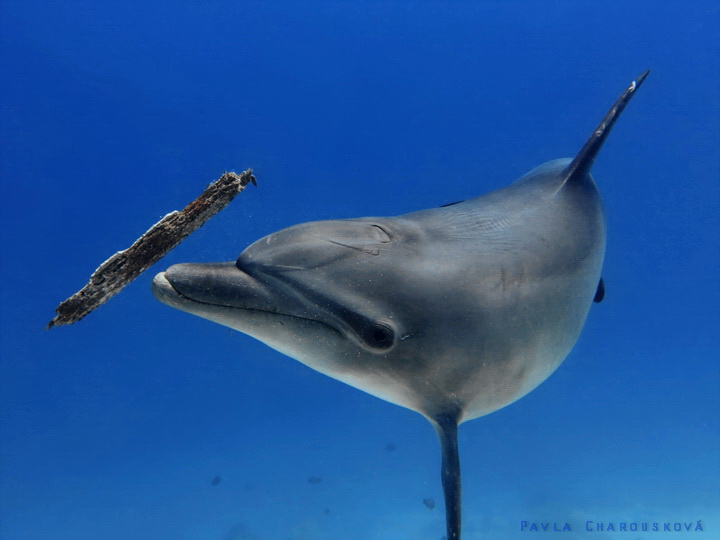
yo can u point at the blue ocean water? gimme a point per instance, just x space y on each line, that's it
147 423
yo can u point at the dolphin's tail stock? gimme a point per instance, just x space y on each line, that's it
446 426
584 160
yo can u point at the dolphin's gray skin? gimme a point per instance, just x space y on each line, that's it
452 312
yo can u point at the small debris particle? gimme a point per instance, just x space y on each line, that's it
430 503
390 447
326 511
215 481
314 479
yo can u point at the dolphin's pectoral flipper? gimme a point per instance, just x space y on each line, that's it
600 292
583 161
446 427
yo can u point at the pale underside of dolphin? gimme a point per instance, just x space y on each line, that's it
453 312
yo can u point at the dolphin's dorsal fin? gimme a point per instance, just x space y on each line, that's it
599 292
586 157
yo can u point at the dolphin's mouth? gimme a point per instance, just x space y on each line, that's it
218 285
215 290
185 288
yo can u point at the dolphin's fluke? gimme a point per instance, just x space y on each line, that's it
583 161
446 427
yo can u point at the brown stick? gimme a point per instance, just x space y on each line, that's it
123 267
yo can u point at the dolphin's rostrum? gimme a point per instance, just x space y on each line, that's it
453 312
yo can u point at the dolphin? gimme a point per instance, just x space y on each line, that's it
453 312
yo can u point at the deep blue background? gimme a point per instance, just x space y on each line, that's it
115 113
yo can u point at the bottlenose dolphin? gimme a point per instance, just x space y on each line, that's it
453 312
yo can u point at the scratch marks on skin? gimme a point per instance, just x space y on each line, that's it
369 251
287 267
406 336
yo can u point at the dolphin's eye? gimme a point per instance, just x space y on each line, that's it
381 336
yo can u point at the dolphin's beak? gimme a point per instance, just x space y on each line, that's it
196 287
220 284
161 287
166 293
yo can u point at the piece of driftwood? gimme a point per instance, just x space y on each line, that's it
123 267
